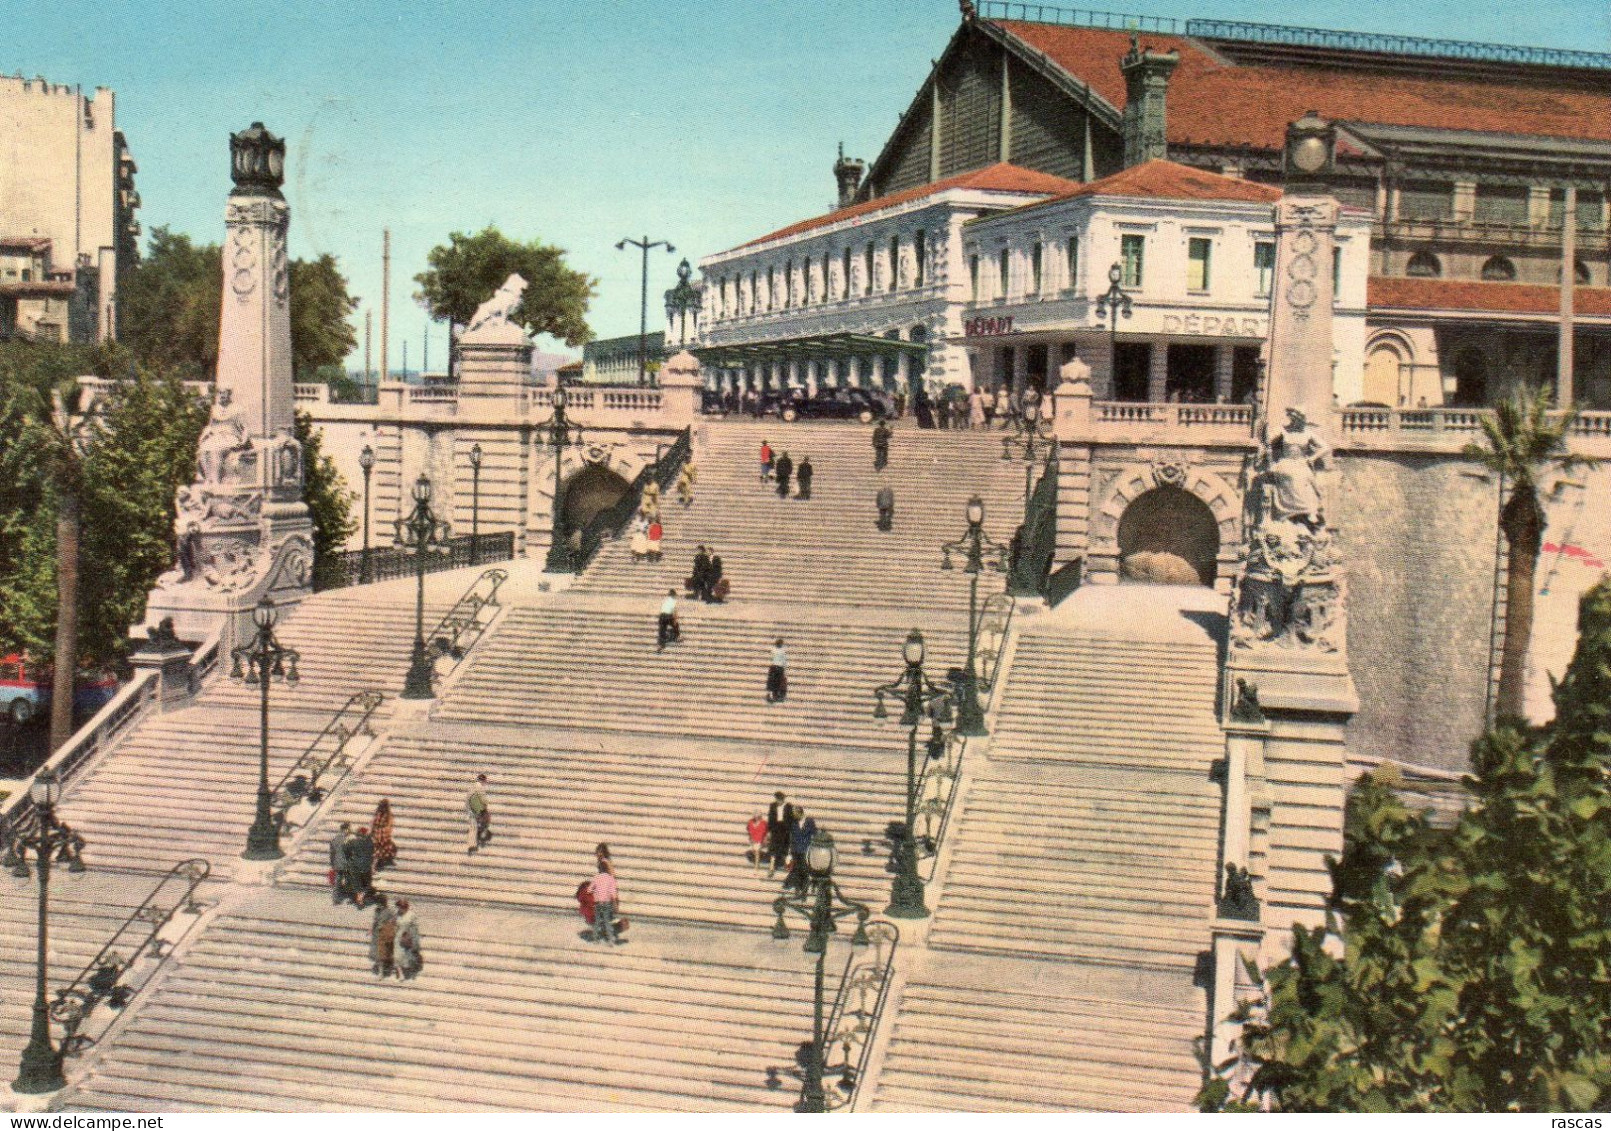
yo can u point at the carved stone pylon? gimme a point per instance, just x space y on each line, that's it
242 529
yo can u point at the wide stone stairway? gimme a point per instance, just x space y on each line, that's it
1080 883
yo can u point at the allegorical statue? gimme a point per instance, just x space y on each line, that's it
1289 473
502 305
221 444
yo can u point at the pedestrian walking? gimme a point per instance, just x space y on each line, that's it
656 533
804 474
777 833
886 507
478 815
766 461
340 880
719 585
409 955
880 446
757 834
668 629
1003 406
685 484
381 831
640 537
976 409
361 865
606 894
383 938
777 675
699 582
799 840
651 501
783 469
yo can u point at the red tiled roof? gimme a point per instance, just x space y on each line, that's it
31 243
1167 180
1385 292
1001 177
1220 103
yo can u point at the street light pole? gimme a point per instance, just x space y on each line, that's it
475 505
976 546
558 427
366 461
419 532
643 310
265 659
40 1069
1111 305
920 697
823 918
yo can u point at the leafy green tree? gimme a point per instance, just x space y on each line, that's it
330 501
1475 964
169 309
1522 445
465 271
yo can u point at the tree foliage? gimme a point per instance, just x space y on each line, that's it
169 309
465 271
1476 961
1522 444
330 501
136 449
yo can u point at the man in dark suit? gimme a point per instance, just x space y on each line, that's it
777 832
701 576
713 577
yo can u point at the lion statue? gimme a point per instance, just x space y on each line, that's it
502 305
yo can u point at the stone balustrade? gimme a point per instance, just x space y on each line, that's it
1449 429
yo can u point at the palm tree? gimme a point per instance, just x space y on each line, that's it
1523 443
61 444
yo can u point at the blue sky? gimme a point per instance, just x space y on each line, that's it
705 122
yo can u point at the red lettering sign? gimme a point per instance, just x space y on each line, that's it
988 327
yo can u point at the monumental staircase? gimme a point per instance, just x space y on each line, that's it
1071 897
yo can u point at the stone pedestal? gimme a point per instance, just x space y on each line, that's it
680 385
494 361
1071 403
242 530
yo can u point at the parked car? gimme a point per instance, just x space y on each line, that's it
25 689
836 404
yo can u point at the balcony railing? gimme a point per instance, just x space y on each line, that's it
1166 415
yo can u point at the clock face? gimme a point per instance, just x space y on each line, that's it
1309 155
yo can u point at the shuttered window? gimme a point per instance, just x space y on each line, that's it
920 254
1264 267
1131 250
1501 204
1426 200
1198 250
1073 262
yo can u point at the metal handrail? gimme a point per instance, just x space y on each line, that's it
860 975
305 780
610 521
1035 544
448 637
99 980
389 563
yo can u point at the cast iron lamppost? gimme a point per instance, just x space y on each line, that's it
366 461
1111 305
419 532
265 659
475 505
976 545
1030 431
41 1067
920 698
816 903
643 313
558 428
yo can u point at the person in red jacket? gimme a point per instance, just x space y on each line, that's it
766 461
757 830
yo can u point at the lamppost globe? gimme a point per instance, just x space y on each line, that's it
975 511
366 459
46 788
560 397
422 490
1115 273
475 456
912 650
263 613
820 854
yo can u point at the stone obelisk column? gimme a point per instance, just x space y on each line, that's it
242 530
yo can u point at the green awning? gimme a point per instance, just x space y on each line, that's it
820 348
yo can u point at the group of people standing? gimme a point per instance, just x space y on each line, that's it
780 840
782 470
706 583
355 857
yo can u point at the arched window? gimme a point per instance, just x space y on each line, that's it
1580 275
1498 269
1424 265
894 262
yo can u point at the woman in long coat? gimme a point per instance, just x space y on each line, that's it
409 956
381 831
383 938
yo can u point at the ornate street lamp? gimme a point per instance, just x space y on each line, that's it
643 313
265 659
817 905
920 698
1030 431
366 461
41 1067
1111 305
475 505
419 532
978 550
558 431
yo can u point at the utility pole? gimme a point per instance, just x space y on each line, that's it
369 374
643 310
385 297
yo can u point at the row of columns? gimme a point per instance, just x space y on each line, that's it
885 373
1097 354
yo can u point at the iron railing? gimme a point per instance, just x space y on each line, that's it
388 563
324 764
852 1030
102 979
1035 543
610 521
458 630
1076 17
